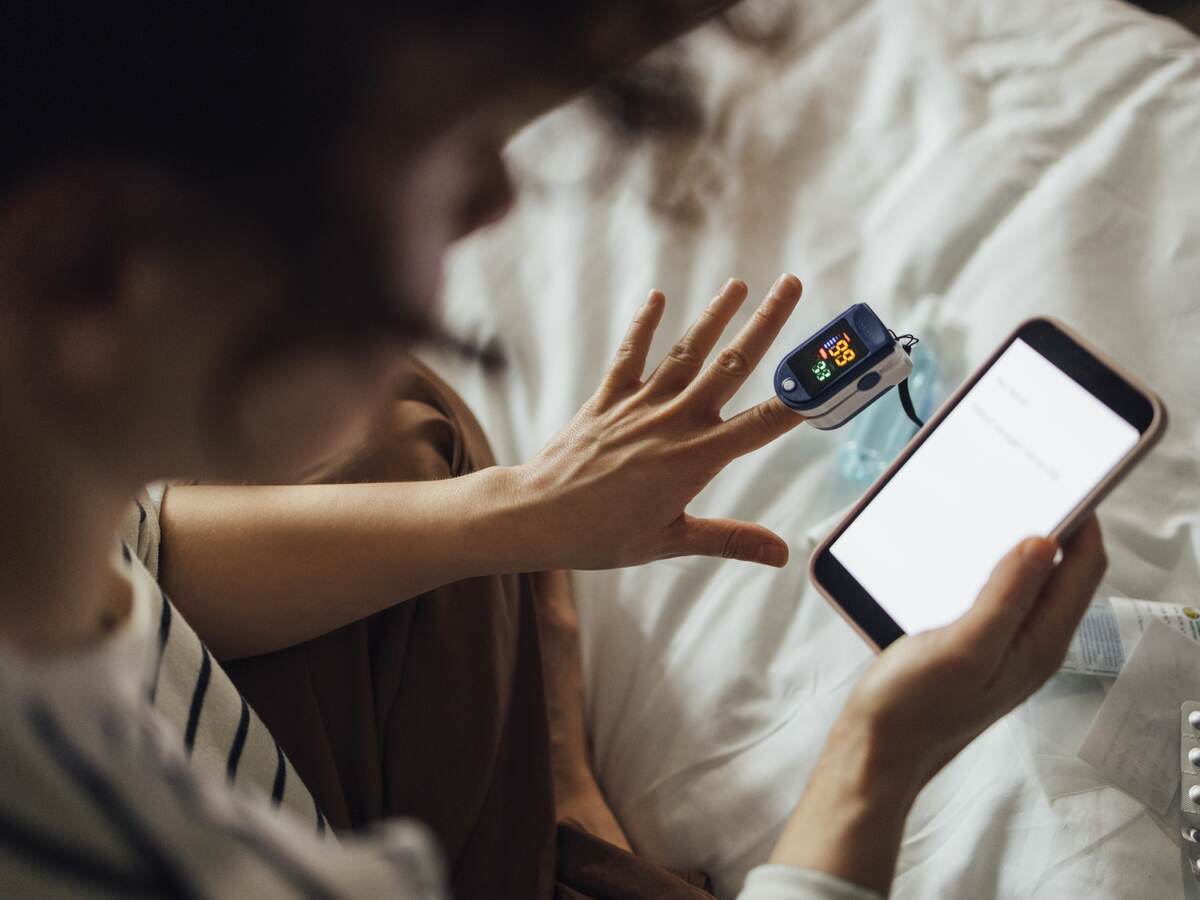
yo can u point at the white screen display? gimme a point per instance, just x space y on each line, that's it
1010 461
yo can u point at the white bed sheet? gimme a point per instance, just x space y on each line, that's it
1011 156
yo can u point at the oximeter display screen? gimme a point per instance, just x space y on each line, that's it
818 363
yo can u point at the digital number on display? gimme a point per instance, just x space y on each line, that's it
836 349
823 358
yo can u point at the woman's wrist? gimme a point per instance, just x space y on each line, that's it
541 530
494 512
851 816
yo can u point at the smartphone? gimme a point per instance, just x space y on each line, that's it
1028 445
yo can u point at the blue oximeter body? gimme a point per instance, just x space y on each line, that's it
842 368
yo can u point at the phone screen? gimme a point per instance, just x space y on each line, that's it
1017 454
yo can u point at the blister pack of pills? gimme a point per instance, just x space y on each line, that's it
1189 793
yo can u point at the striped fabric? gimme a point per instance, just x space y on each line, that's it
104 793
221 733
135 769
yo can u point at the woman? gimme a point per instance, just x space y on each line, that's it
218 233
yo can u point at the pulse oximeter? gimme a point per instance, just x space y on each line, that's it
842 369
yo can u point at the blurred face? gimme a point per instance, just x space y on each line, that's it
170 342
419 167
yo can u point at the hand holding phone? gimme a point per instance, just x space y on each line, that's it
928 696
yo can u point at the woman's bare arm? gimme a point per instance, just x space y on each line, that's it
260 568
256 569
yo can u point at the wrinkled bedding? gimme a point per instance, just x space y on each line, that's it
1010 157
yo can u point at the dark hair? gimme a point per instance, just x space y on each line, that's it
179 86
238 90
243 100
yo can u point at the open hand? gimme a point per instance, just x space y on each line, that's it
611 488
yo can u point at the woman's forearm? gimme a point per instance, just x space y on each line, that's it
850 820
258 568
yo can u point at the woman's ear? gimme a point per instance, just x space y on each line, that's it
69 242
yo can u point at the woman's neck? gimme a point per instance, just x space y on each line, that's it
59 590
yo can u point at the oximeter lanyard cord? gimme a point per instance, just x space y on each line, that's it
906 342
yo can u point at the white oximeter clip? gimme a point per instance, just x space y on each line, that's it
845 367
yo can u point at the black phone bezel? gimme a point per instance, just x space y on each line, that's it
1063 351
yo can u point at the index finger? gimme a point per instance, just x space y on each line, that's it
720 381
754 428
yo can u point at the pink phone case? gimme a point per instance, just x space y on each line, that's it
1148 439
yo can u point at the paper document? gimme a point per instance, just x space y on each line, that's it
1113 625
1134 741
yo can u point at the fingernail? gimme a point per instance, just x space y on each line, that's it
786 280
773 555
1039 553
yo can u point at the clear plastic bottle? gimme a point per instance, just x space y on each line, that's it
880 432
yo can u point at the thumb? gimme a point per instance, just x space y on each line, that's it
730 539
993 621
